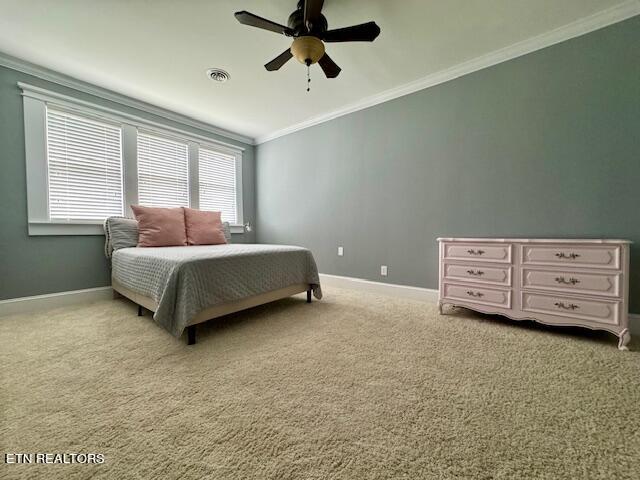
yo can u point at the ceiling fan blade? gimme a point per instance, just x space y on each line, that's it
329 67
252 20
312 10
365 32
279 61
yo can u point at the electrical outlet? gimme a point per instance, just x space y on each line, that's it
383 270
340 251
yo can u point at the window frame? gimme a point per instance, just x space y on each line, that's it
35 101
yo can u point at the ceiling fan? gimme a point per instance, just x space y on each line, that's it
309 28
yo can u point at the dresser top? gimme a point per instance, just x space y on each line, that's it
536 240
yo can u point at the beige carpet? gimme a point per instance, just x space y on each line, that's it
355 386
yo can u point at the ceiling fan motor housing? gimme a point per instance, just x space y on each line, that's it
296 23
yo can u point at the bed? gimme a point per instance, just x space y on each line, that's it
187 285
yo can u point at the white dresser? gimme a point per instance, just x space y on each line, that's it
553 281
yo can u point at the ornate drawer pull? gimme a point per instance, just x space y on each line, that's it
477 273
475 252
571 255
571 281
562 305
475 294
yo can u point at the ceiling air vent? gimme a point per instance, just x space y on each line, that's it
218 75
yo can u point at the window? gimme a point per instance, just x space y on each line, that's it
217 183
84 159
163 172
85 162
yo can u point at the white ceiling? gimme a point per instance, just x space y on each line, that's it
158 50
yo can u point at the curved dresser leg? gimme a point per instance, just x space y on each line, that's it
440 305
625 338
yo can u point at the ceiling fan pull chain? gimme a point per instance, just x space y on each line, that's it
308 79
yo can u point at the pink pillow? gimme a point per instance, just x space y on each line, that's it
203 228
160 227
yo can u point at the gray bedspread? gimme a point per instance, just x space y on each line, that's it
186 280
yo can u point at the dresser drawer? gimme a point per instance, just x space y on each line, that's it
479 295
600 311
600 256
467 272
607 284
478 252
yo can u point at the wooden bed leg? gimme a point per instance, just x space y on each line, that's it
309 295
139 310
191 335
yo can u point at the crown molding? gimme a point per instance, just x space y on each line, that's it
70 82
571 30
574 29
72 103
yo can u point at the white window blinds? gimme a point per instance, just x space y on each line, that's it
84 166
217 189
163 172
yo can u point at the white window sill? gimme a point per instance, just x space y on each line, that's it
83 228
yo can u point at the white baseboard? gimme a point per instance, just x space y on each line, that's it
391 289
74 297
414 293
53 300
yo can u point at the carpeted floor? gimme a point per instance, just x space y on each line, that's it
354 386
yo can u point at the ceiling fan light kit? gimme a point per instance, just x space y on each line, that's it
307 50
309 28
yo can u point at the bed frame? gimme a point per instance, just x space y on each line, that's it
213 312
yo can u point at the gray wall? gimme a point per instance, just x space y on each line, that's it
38 265
544 145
